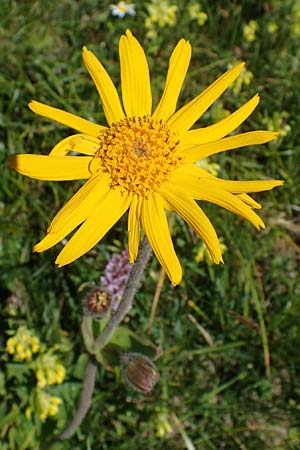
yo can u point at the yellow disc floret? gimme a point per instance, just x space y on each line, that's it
139 153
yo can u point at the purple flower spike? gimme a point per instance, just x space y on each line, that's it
115 277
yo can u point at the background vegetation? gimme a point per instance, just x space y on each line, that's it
230 364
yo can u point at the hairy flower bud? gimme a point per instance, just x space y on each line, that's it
96 303
139 372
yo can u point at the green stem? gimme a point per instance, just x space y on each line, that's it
102 340
263 330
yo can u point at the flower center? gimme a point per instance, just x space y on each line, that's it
139 153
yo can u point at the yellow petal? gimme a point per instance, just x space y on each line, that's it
238 187
75 211
194 151
156 228
249 201
186 116
79 143
136 89
190 175
178 66
220 129
80 206
134 228
109 96
206 189
66 118
102 219
188 209
52 168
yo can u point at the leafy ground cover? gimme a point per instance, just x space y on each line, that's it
229 334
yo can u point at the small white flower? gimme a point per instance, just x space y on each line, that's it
122 8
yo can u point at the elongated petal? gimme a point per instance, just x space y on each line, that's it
238 187
104 216
135 79
156 228
186 116
194 152
178 66
188 209
190 175
134 227
52 168
81 205
206 189
66 118
220 129
75 211
249 201
109 96
79 143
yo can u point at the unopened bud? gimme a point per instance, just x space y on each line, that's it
96 303
139 372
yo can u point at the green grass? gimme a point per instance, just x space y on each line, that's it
215 395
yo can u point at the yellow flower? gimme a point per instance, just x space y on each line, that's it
245 78
196 12
48 370
272 27
47 405
162 13
249 30
144 161
203 254
23 344
163 425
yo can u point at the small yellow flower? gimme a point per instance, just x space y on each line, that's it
249 31
28 412
245 78
162 13
48 370
279 122
196 13
35 344
47 405
295 29
143 162
272 27
41 379
204 255
23 344
10 345
163 425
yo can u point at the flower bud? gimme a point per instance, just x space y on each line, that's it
139 372
96 303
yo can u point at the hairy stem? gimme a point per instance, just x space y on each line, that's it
102 340
85 400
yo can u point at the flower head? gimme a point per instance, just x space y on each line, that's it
122 8
116 275
23 344
196 12
249 31
161 13
143 162
48 370
97 303
46 405
139 372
